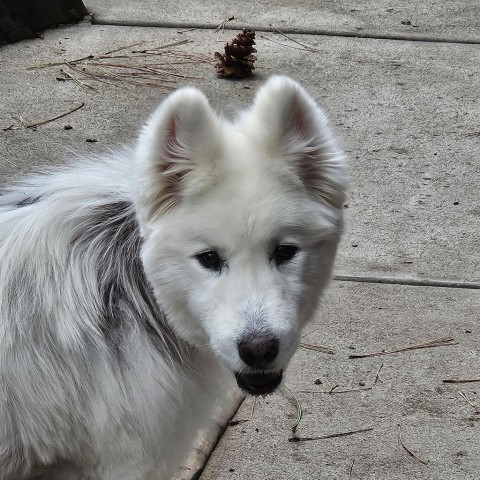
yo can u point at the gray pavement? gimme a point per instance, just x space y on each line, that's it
409 19
408 114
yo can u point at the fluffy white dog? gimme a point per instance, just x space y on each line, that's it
134 288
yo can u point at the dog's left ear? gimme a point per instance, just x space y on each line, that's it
180 141
297 131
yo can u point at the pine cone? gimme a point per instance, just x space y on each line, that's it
239 58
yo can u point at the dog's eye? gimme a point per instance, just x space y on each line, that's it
284 253
210 260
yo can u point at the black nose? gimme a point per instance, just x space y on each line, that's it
259 350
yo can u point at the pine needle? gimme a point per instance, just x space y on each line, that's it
461 380
317 348
404 451
440 342
333 435
473 405
293 399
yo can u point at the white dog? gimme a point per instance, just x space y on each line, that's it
134 288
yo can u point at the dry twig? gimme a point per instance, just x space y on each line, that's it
404 451
324 437
440 342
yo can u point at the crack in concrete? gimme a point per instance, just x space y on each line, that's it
290 31
416 282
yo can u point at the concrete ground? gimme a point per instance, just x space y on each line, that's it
405 102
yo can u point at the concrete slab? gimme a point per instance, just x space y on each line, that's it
437 424
407 112
441 21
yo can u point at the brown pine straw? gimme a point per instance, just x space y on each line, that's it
324 437
473 405
439 342
404 451
158 67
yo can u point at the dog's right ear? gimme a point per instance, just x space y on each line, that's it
178 141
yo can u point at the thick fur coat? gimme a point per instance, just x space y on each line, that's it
134 288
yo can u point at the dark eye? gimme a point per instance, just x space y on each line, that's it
284 253
210 260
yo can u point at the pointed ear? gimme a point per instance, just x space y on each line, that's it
180 138
298 133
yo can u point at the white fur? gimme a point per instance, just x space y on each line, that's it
105 379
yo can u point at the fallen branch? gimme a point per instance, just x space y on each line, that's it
324 437
440 342
404 451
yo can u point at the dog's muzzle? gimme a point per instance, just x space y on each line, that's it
259 383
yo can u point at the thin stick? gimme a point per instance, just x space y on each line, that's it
298 407
404 450
461 380
440 342
317 348
377 376
475 407
222 25
307 47
56 117
333 435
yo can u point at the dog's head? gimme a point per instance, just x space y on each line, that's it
241 223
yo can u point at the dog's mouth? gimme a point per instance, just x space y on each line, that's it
259 383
